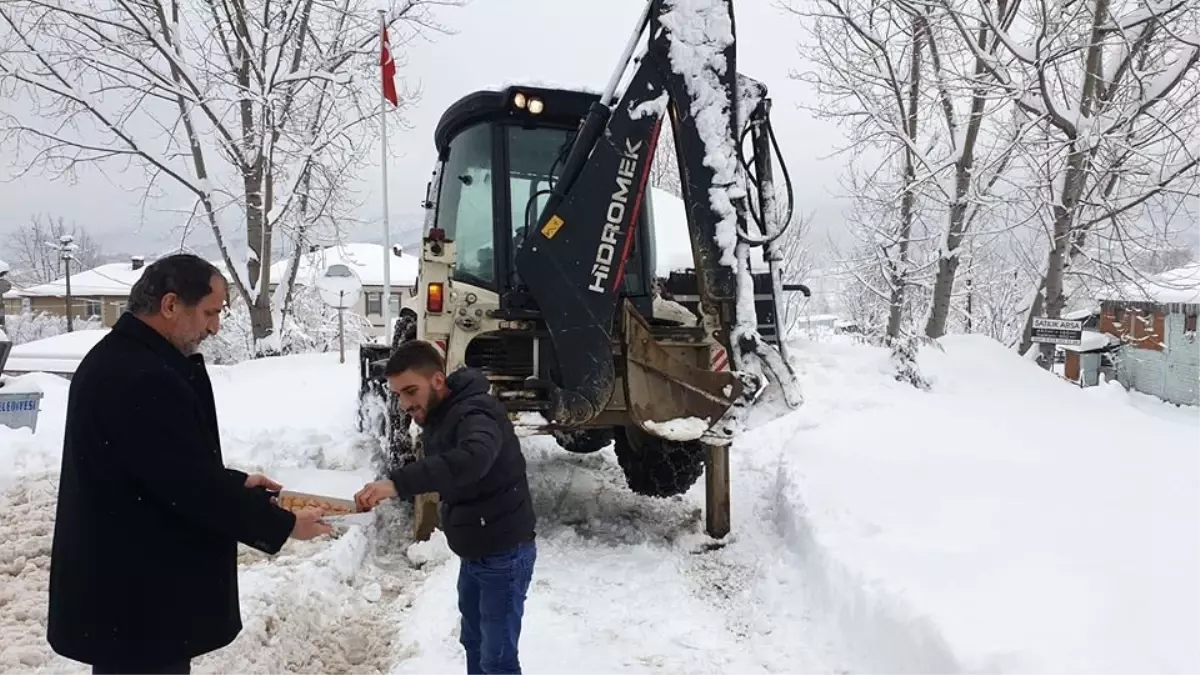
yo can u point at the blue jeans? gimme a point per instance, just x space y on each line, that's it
491 599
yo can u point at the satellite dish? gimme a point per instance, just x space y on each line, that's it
339 287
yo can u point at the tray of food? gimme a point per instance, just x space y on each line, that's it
333 507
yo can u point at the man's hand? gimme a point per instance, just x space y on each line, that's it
373 493
309 524
259 480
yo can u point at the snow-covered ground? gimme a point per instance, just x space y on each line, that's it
1005 521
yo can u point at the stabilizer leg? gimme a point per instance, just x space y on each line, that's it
716 491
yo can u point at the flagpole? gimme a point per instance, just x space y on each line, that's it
387 233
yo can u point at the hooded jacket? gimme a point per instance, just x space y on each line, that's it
473 461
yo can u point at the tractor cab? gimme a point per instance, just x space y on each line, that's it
499 155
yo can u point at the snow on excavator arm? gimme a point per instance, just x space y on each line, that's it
574 259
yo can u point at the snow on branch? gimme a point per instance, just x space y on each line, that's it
248 105
1111 88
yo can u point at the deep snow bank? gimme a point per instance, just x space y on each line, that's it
1005 521
23 451
277 413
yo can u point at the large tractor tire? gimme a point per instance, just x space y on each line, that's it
405 328
401 447
656 467
584 441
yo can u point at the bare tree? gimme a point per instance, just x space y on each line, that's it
36 261
664 168
965 99
258 109
1112 88
993 276
869 59
796 249
871 65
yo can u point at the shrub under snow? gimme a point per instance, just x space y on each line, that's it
309 326
27 327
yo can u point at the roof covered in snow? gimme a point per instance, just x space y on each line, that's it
365 259
56 354
1180 285
1082 313
1090 341
113 279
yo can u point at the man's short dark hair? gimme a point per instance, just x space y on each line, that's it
187 276
414 355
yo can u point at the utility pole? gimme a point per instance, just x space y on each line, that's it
5 286
66 251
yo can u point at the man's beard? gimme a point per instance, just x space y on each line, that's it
435 399
431 404
192 347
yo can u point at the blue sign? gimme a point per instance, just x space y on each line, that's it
27 405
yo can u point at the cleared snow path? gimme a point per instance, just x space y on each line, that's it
626 583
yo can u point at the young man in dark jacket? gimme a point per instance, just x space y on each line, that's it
143 565
473 461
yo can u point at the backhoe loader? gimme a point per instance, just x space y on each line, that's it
538 260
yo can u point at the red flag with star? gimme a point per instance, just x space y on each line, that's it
388 66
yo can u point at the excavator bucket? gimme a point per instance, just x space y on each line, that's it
670 398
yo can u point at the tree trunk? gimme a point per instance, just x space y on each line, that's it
254 171
964 175
261 321
1074 180
1055 269
899 269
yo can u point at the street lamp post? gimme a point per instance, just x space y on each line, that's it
5 286
66 248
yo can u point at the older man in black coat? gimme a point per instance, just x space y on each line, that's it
143 569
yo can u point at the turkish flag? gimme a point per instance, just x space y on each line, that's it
388 66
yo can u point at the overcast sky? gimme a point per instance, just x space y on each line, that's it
496 42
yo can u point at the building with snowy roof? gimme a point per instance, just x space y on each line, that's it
102 292
99 293
1155 320
367 261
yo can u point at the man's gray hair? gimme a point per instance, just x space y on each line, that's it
186 275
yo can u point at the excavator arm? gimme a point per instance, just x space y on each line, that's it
572 261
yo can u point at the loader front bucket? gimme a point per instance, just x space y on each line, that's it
672 399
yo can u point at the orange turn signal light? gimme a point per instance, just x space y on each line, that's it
435 298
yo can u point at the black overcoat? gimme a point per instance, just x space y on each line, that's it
143 568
